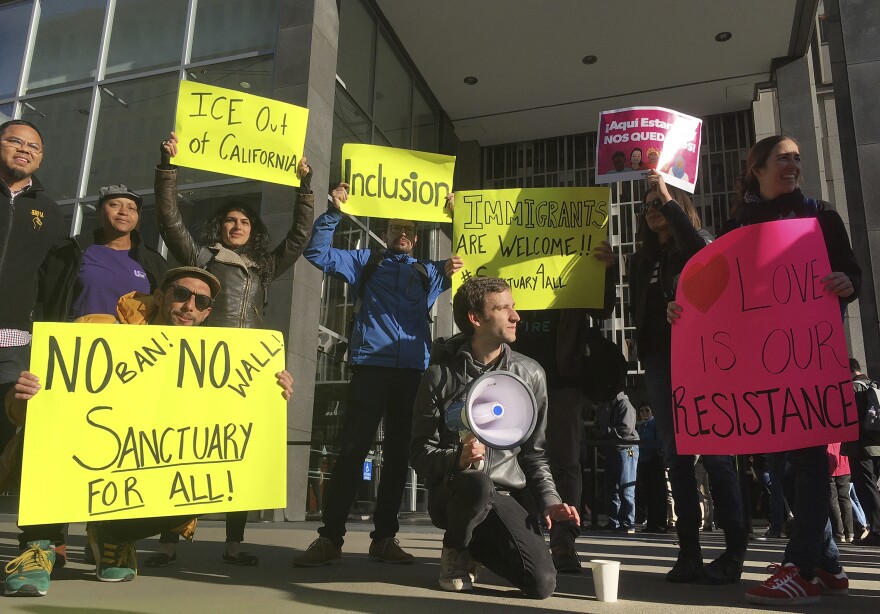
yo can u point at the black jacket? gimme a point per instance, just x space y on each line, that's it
616 422
434 449
685 242
30 226
61 268
242 294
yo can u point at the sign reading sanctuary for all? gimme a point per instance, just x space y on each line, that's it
239 134
540 240
153 421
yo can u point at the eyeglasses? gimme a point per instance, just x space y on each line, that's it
182 295
397 229
654 204
17 143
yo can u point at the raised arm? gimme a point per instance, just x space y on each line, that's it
178 239
293 245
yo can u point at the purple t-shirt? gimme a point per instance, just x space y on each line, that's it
105 275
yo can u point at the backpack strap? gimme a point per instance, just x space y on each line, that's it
369 268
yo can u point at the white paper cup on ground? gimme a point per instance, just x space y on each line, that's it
605 575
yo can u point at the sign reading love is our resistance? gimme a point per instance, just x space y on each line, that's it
239 134
759 358
387 182
540 240
143 421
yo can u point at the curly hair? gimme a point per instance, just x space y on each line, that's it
257 247
471 297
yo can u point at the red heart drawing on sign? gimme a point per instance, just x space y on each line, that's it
704 283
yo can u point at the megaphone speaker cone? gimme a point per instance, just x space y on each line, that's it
499 409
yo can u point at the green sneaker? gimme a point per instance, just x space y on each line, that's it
115 562
28 575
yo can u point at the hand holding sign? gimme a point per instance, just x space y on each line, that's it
340 195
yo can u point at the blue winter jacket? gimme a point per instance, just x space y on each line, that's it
391 328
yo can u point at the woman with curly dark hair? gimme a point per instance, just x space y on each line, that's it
234 246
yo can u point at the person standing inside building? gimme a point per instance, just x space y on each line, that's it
234 246
669 234
30 226
864 454
650 475
388 354
486 499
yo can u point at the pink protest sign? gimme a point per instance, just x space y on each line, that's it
632 141
759 358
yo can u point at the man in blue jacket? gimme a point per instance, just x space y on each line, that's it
388 352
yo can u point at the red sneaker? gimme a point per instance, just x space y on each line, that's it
785 587
833 583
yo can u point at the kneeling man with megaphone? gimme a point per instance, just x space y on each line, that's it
484 487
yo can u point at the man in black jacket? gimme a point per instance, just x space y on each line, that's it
30 224
864 454
479 495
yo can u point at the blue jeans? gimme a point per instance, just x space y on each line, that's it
621 466
722 472
811 545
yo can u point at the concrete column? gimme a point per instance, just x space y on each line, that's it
851 30
305 75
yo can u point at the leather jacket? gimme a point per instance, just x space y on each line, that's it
242 294
435 450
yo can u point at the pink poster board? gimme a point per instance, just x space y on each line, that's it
632 141
759 357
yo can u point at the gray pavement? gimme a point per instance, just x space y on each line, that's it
201 582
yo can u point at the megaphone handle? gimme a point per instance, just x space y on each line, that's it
462 435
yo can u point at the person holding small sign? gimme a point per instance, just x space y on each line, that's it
184 298
669 234
769 191
388 353
234 246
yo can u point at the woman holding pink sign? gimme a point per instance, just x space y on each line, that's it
770 191
669 234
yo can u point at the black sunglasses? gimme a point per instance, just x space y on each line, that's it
181 295
654 204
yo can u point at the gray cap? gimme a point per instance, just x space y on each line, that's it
191 271
119 191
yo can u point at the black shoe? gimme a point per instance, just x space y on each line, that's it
871 539
686 568
565 558
726 569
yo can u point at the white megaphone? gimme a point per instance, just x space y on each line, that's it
499 408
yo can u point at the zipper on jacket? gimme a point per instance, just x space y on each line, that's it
247 288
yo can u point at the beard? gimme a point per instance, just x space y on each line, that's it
16 173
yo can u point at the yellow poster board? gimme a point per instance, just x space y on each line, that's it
391 183
539 239
144 421
239 134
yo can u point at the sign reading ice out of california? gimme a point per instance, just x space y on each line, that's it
633 141
149 421
230 132
759 358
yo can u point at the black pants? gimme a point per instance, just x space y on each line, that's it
496 529
373 393
865 471
651 493
13 361
841 506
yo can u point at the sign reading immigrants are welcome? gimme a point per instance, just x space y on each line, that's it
143 421
386 182
239 134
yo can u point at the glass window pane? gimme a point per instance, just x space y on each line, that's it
14 21
349 126
134 116
146 34
228 27
68 40
5 112
393 98
252 75
63 121
357 41
424 124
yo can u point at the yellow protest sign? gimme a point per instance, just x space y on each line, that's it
539 239
239 134
397 183
151 421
